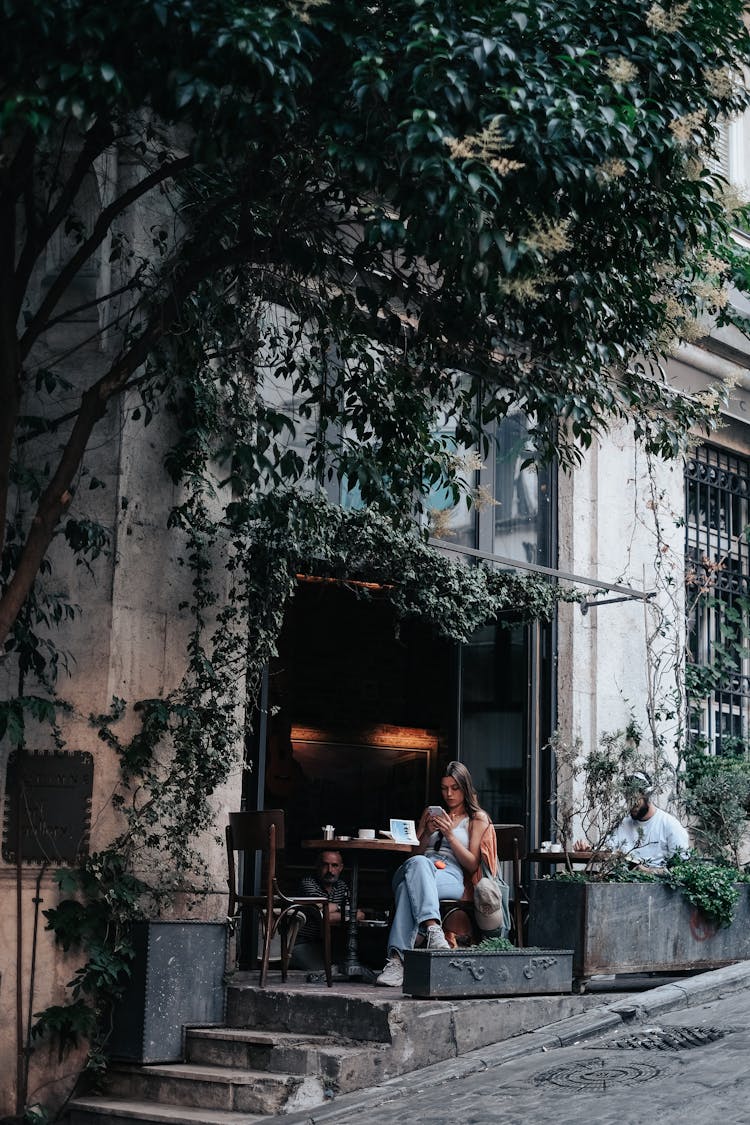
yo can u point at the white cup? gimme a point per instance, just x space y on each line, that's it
366 834
545 845
556 847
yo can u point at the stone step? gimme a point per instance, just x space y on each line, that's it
323 1012
342 1066
124 1111
215 1087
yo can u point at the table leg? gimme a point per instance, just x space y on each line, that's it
351 966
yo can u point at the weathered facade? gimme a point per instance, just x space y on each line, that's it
356 707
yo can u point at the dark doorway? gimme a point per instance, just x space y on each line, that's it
506 716
361 712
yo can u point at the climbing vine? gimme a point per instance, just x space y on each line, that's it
185 746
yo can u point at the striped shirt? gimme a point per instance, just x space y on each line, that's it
337 893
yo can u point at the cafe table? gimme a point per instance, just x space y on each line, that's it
354 849
548 856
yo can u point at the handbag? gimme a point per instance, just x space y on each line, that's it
492 903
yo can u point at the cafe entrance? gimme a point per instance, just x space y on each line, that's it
360 713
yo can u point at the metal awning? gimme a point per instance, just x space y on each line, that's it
626 593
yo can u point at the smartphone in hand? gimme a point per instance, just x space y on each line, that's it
436 810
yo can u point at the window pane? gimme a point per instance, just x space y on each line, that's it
522 496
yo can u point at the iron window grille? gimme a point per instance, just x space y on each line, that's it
717 568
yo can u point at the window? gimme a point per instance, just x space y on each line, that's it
717 567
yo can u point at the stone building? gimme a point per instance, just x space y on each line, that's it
356 718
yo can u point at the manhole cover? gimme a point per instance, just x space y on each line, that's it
597 1074
668 1038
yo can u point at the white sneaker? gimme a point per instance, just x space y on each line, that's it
392 975
436 939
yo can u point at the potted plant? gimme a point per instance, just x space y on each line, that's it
617 917
494 967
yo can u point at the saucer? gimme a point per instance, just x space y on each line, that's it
343 837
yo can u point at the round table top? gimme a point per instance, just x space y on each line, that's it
355 844
539 856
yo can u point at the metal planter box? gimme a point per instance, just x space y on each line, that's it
633 927
465 973
177 980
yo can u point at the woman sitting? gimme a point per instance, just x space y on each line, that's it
452 843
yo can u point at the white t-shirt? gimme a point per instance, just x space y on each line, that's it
651 841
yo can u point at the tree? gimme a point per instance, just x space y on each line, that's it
400 213
509 191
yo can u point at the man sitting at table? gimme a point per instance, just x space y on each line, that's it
647 836
308 948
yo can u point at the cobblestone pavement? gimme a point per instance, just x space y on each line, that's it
693 1068
605 1084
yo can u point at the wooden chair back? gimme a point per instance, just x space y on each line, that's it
511 848
252 832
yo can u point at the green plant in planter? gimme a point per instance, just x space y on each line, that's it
494 945
591 796
710 887
716 796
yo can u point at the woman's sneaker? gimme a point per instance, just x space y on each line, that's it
392 975
436 938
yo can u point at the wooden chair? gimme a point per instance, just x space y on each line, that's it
511 847
252 832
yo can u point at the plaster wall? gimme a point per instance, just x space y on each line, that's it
126 639
129 640
618 523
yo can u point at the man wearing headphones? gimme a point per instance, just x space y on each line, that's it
648 835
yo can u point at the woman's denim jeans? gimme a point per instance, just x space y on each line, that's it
418 886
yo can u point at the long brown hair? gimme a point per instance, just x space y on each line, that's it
460 774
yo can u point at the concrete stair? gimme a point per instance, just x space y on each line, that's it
230 1075
287 1049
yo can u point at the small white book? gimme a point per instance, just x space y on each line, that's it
404 831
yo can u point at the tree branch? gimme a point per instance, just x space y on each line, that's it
66 275
10 363
132 283
97 139
58 495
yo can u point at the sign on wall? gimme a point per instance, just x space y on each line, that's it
47 815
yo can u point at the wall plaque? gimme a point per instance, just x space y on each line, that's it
47 806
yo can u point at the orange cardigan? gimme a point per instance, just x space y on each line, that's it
488 853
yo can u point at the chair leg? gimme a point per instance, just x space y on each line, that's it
518 921
289 930
267 935
327 946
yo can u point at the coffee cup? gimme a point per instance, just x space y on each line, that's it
545 845
556 847
366 834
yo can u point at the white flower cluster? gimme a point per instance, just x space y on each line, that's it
487 146
612 169
525 290
549 236
684 128
301 8
621 70
712 295
659 19
722 82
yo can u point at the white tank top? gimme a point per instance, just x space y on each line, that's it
461 832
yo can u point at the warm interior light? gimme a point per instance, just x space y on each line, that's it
343 582
379 734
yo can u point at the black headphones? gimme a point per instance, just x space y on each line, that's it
639 782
